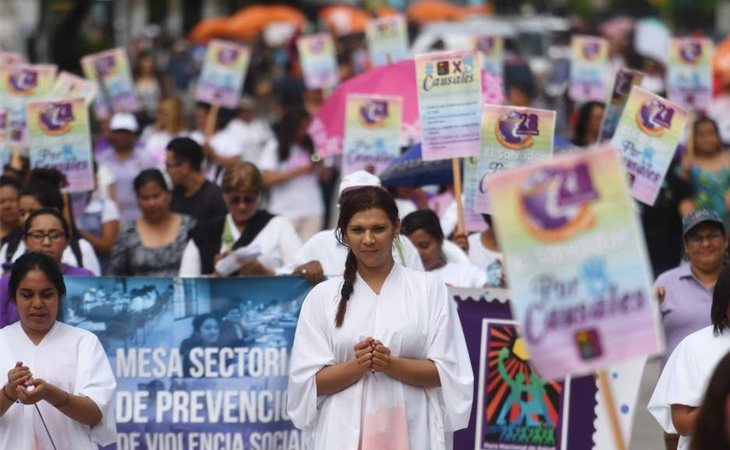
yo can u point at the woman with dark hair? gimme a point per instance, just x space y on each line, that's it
153 245
677 398
46 231
423 228
407 380
294 189
706 165
712 429
588 124
61 370
206 333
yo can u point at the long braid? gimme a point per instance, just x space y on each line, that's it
347 287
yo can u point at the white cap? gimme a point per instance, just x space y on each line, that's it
123 121
358 179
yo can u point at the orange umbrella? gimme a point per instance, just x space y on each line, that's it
721 60
250 22
386 11
208 29
344 19
284 13
425 11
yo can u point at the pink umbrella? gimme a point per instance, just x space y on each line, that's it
328 126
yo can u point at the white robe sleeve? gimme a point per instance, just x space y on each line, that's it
190 262
288 242
680 383
311 352
447 349
96 381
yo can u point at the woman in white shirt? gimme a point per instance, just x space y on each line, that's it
245 225
169 124
294 189
423 229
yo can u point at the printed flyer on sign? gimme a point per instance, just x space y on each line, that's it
473 220
68 85
588 68
111 71
491 51
224 70
449 103
517 409
59 137
372 132
18 84
511 137
619 94
11 58
647 136
387 39
4 137
570 237
689 72
318 60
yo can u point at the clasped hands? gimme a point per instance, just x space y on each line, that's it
372 355
28 390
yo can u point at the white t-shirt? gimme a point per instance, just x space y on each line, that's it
479 254
300 197
257 142
91 261
454 253
686 375
278 242
323 247
461 275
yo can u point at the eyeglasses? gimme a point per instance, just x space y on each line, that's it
699 238
245 199
52 235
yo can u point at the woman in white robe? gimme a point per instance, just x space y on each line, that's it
379 359
60 385
678 395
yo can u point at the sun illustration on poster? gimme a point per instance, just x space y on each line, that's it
522 407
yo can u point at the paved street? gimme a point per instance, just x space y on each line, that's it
646 434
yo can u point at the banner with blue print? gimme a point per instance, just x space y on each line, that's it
200 363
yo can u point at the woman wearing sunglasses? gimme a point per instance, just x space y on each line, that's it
244 225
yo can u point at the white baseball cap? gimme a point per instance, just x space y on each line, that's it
124 121
358 179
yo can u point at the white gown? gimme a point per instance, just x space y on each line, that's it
685 376
73 360
413 316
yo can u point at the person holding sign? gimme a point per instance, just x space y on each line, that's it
677 398
379 359
60 385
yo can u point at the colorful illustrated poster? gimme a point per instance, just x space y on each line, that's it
619 94
647 136
450 103
491 52
511 137
18 84
689 72
59 137
111 71
68 85
372 132
4 137
588 68
473 221
517 409
387 39
11 59
572 242
318 60
224 70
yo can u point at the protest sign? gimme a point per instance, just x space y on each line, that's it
387 39
372 132
491 52
579 274
473 221
511 137
619 94
11 58
689 72
588 68
223 73
647 136
68 85
111 72
59 137
318 60
18 84
449 88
